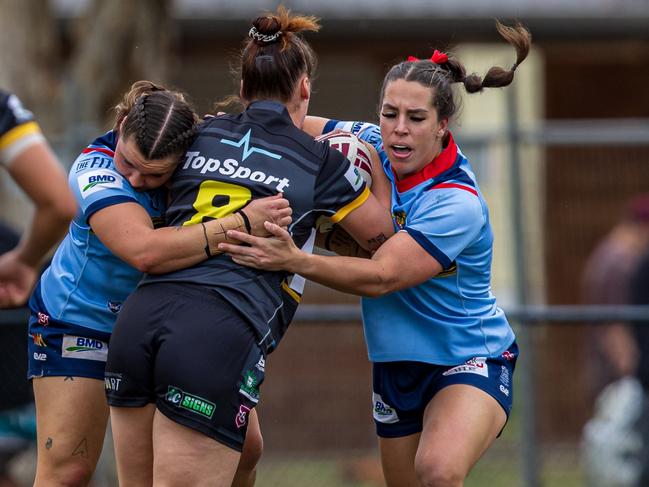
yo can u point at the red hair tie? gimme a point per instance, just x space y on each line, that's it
437 58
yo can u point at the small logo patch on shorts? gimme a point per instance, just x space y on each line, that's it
84 348
112 381
382 412
250 387
475 365
242 416
184 400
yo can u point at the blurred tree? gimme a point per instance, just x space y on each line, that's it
117 43
29 50
69 70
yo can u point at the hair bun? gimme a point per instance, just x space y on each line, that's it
265 30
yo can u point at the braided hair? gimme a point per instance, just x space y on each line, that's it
161 121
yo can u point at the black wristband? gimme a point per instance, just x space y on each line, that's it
207 242
246 222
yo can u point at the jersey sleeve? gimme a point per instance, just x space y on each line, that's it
18 129
444 222
339 187
96 184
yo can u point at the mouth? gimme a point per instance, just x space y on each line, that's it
401 151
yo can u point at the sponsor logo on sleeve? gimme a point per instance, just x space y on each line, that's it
353 177
92 181
84 348
383 412
475 365
40 356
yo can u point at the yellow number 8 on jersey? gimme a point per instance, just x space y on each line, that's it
216 199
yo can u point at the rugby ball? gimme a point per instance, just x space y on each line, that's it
359 155
354 150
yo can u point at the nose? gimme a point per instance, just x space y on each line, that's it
401 127
136 180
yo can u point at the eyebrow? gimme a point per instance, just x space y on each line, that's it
411 111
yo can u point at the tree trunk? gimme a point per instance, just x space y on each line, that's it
126 40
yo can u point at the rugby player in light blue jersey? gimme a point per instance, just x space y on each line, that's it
443 352
117 181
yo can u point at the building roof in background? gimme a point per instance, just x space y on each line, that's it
548 18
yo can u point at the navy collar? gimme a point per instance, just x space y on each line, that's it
272 105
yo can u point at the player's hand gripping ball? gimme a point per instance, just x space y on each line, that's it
359 155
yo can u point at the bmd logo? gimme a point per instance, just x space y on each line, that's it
98 180
84 348
95 180
86 344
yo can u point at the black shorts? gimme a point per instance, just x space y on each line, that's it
186 349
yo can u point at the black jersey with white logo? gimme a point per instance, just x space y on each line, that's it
237 158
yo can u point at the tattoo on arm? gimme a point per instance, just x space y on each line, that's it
48 443
376 242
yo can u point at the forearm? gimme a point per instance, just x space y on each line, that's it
172 248
364 277
48 226
340 242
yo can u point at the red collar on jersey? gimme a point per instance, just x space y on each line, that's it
434 168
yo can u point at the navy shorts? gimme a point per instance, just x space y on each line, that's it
187 350
402 390
57 348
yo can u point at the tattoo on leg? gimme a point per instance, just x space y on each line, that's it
69 377
81 449
48 443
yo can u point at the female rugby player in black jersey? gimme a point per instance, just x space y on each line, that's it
189 348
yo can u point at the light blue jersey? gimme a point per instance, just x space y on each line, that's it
86 284
452 317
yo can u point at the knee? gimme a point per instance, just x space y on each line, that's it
68 474
438 472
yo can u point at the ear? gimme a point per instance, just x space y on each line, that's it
442 127
305 88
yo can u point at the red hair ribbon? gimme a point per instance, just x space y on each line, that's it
437 58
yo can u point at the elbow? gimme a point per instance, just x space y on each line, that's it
145 262
382 286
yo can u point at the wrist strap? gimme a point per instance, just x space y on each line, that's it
246 221
207 242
